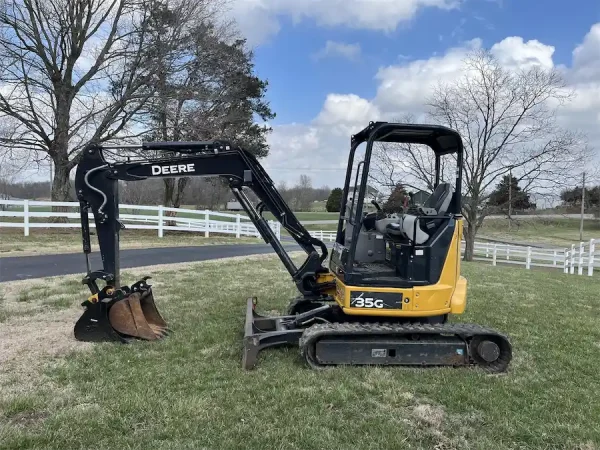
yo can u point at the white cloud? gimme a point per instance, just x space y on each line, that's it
255 20
259 19
514 52
349 109
586 57
583 112
338 49
403 87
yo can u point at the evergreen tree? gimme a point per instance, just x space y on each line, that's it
396 201
519 199
334 201
572 197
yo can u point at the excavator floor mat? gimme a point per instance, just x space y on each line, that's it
137 316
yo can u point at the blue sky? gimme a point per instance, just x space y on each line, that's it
299 83
335 65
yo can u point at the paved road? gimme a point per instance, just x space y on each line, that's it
27 267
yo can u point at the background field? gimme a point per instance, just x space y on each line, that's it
555 232
44 241
189 391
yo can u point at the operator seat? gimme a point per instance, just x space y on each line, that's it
436 205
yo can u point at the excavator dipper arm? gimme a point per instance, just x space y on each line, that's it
96 185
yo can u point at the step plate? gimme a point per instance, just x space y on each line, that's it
374 351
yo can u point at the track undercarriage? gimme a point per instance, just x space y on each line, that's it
327 337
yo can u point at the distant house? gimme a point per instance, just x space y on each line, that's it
234 206
370 193
420 197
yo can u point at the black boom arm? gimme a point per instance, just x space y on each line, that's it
96 184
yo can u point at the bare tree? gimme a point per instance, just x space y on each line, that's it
75 72
409 164
303 191
507 121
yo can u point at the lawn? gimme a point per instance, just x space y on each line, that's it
189 391
44 241
559 232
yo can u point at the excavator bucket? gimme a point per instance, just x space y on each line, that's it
137 316
119 319
94 326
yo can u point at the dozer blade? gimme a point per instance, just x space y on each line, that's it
137 316
261 332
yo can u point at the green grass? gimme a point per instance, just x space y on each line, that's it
189 391
559 232
60 240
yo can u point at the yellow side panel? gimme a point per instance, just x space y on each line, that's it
448 295
459 298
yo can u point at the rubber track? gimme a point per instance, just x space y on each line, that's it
466 331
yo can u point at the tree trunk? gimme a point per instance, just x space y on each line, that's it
469 234
173 196
60 182
61 187
59 151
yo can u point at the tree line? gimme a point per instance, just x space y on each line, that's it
202 193
571 198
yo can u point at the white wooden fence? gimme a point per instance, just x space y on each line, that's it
146 218
583 258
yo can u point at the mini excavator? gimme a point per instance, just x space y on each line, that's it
383 296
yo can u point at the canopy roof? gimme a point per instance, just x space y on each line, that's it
442 140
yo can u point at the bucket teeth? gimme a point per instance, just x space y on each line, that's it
136 315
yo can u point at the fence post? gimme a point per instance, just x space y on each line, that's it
528 262
591 257
487 250
507 252
26 217
566 261
206 223
160 221
554 259
580 264
572 260
495 254
238 226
